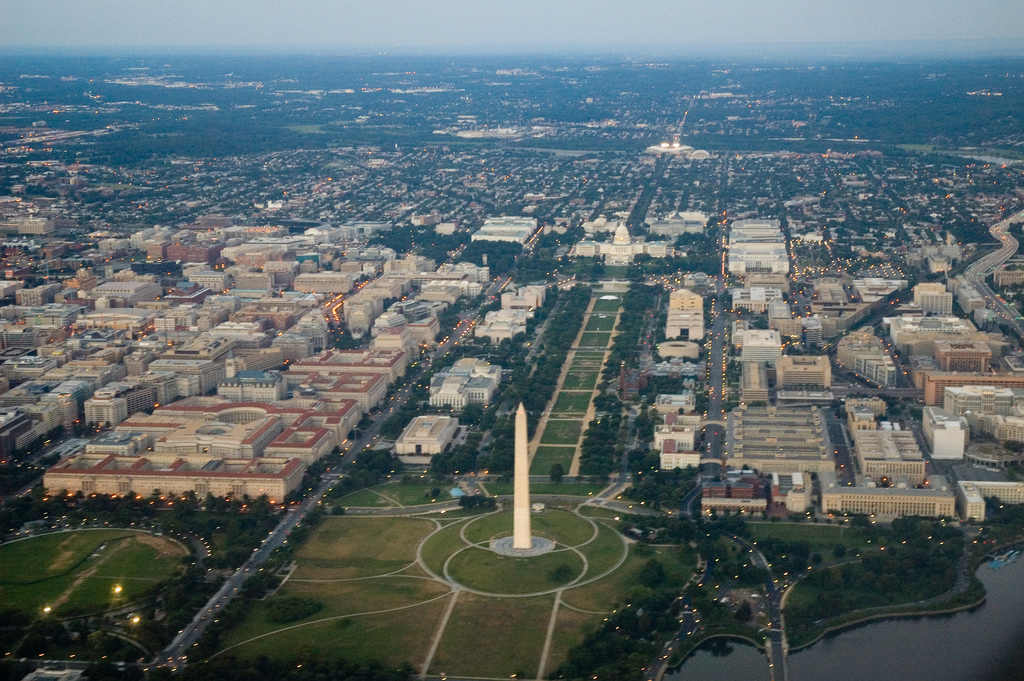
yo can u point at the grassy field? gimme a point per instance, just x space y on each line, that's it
611 305
601 322
80 572
390 637
377 604
572 402
595 339
547 456
363 498
396 493
561 526
562 432
482 569
590 354
343 548
494 637
822 538
580 380
572 489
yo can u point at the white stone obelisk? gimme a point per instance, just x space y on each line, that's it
521 538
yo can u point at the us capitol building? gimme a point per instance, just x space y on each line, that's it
622 248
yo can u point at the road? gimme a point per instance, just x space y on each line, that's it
979 270
776 636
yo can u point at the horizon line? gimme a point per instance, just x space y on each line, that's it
930 49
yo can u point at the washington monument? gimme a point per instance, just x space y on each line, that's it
521 538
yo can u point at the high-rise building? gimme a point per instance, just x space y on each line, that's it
933 299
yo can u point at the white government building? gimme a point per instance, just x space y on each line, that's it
622 249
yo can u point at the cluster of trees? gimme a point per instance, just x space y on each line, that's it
369 468
918 561
501 255
655 487
458 459
637 305
422 240
603 439
632 635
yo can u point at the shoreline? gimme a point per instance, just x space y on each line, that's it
923 614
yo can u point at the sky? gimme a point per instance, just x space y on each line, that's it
490 26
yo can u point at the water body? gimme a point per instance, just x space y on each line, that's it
986 644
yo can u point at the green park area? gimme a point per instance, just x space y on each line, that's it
569 489
580 380
547 456
601 322
84 571
571 402
607 303
397 493
377 588
562 432
595 339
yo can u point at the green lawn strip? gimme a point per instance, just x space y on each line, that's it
562 432
610 305
363 498
589 354
572 402
48 555
494 637
571 489
599 512
441 545
595 339
580 380
604 552
547 456
601 322
562 526
481 568
415 493
822 538
390 638
359 547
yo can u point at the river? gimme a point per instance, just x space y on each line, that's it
981 645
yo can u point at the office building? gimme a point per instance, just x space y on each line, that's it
933 299
778 440
468 381
798 371
513 229
885 455
945 433
933 500
761 346
865 355
424 437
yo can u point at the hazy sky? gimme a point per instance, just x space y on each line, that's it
510 25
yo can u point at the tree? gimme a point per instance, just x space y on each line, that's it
557 471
